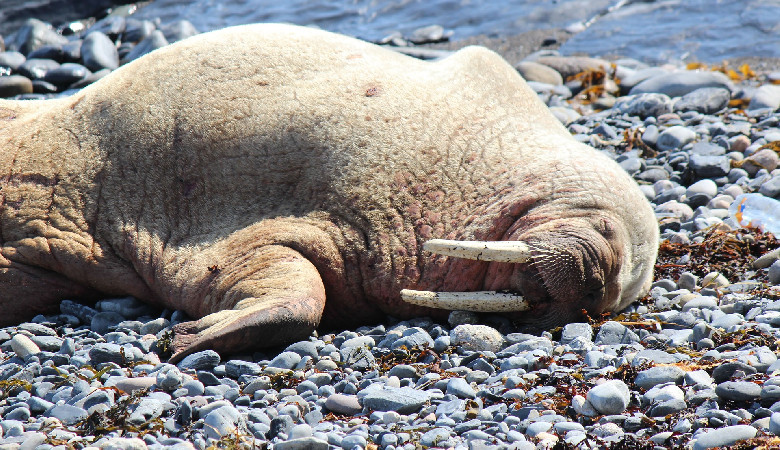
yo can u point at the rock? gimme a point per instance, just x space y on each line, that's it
678 84
770 188
204 360
135 384
460 388
476 338
136 30
774 423
709 166
403 400
285 360
774 273
612 333
723 437
533 71
723 372
12 85
103 322
574 330
11 60
708 100
675 137
654 376
35 34
701 302
583 407
762 159
106 352
644 105
236 367
222 421
432 437
169 377
99 52
155 40
740 391
36 69
343 404
181 29
304 443
610 397
23 346
766 96
67 414
121 443
303 348
146 410
569 66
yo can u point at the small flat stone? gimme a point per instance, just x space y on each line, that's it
12 85
533 71
155 39
675 137
304 443
708 100
403 400
738 390
612 333
678 84
644 105
723 437
610 397
460 388
67 414
23 346
654 376
285 360
765 97
99 52
343 404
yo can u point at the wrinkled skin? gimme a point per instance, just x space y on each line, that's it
268 179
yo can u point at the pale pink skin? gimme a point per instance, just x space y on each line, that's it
290 179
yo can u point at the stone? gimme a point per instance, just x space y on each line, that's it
610 397
23 346
103 322
343 404
135 384
569 66
765 97
644 105
11 60
740 391
222 421
762 159
723 437
654 376
169 377
477 338
66 74
612 333
155 39
236 367
460 388
403 400
285 360
724 372
675 137
708 100
67 414
678 84
122 443
99 52
533 71
33 35
106 352
304 443
12 85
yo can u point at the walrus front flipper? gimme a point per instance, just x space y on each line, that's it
280 301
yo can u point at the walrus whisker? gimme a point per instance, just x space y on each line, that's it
480 301
499 251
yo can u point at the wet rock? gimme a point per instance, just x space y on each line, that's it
155 40
99 52
34 34
708 100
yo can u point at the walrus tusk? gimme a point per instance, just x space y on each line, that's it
481 301
500 251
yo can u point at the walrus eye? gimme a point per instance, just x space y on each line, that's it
482 301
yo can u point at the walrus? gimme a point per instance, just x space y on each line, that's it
270 179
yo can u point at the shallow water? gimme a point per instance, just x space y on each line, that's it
654 31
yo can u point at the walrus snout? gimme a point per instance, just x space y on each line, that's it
556 275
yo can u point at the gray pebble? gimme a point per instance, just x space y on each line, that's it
723 437
654 376
612 333
402 400
675 137
343 404
12 85
677 84
23 346
644 105
285 360
99 52
153 41
765 97
738 390
206 359
708 100
610 397
67 414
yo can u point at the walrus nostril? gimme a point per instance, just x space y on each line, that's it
481 301
499 251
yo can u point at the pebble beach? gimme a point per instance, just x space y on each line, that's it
694 364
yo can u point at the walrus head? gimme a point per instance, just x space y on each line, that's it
548 276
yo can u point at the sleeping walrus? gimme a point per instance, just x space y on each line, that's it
267 179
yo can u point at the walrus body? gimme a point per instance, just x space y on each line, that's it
249 174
